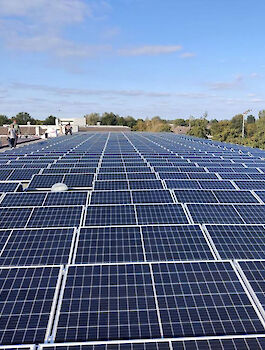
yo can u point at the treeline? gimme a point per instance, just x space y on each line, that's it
156 124
231 130
23 118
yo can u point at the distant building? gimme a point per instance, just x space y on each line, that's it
73 121
180 129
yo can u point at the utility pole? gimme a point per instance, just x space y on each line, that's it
243 122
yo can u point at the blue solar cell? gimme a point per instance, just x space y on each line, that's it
154 345
110 215
5 173
182 184
4 234
161 214
153 196
109 302
22 199
114 176
235 197
252 214
234 176
45 181
37 247
27 295
111 185
109 245
261 195
218 184
214 214
79 180
174 176
195 196
184 242
251 185
55 217
10 187
238 241
66 198
111 197
203 298
23 174
145 185
14 217
141 176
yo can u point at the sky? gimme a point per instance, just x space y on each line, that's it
171 58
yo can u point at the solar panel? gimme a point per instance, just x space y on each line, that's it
203 176
111 185
111 197
238 241
235 343
109 302
251 185
255 273
214 214
252 214
45 181
148 345
165 243
181 184
145 185
161 214
209 185
155 196
66 198
55 217
203 298
10 187
110 176
261 195
27 303
79 180
235 197
141 176
195 196
37 247
109 245
23 174
22 199
234 176
4 174
110 215
4 234
14 217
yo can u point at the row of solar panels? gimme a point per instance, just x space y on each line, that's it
103 197
211 343
131 301
52 246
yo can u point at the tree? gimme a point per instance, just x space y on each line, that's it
236 122
251 119
180 122
50 120
130 121
23 118
92 118
262 114
4 120
109 119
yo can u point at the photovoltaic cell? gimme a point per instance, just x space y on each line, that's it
109 245
186 242
145 184
79 180
14 217
209 185
23 199
66 198
235 197
214 214
251 185
4 234
252 214
111 197
104 302
195 196
10 187
155 196
261 195
111 185
37 247
242 343
113 346
203 298
56 217
161 214
110 215
23 174
238 241
27 295
181 184
45 181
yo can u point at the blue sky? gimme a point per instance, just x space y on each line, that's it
171 58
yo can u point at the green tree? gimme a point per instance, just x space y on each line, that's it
4 120
92 118
130 121
180 122
109 119
251 119
23 118
50 120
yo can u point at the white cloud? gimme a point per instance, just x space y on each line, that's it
227 85
149 50
187 55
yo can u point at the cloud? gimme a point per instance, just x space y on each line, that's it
187 55
149 50
227 85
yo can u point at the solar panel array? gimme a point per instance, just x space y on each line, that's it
159 243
